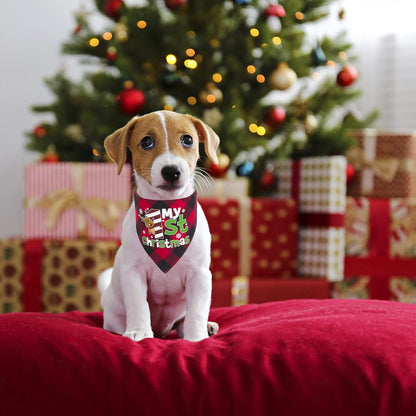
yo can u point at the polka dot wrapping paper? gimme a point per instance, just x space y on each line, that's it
52 275
75 200
254 237
318 184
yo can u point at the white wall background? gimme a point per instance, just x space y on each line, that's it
32 33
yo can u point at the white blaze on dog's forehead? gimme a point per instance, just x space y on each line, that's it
163 121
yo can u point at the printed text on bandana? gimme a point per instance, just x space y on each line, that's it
165 228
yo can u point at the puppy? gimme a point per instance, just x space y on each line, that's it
161 278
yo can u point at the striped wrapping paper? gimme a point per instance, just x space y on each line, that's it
95 184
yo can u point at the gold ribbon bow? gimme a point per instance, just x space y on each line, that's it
385 169
105 211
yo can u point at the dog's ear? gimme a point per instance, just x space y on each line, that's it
207 136
116 144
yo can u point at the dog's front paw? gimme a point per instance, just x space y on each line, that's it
138 335
195 333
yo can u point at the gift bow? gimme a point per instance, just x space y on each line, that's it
105 212
385 169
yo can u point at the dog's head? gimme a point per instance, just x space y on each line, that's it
164 148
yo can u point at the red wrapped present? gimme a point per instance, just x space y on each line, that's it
399 289
380 238
74 200
252 237
242 290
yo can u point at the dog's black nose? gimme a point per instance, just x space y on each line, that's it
171 173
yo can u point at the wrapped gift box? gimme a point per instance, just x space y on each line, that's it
242 290
52 275
318 184
252 236
380 239
399 289
223 187
385 164
72 200
11 270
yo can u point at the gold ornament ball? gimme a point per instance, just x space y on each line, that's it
211 95
282 77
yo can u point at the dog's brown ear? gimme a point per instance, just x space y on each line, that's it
116 144
207 136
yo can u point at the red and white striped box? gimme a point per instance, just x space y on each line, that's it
72 200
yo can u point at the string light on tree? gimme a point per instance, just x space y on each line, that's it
141 24
210 95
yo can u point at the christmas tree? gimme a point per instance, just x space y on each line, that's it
231 63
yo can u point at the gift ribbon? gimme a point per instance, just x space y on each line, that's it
33 253
106 212
244 233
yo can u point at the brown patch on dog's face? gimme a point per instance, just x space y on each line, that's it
148 141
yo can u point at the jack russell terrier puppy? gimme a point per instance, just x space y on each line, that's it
161 279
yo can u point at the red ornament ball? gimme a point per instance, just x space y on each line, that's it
349 173
218 171
111 54
274 10
175 4
78 28
131 100
347 76
50 157
39 131
276 117
112 8
267 181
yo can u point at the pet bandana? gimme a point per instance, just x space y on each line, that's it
165 228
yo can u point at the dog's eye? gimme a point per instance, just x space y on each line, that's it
147 143
187 141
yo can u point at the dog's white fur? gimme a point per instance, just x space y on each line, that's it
141 301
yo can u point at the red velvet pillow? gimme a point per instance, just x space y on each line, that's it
302 357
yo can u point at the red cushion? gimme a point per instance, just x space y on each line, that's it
302 357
